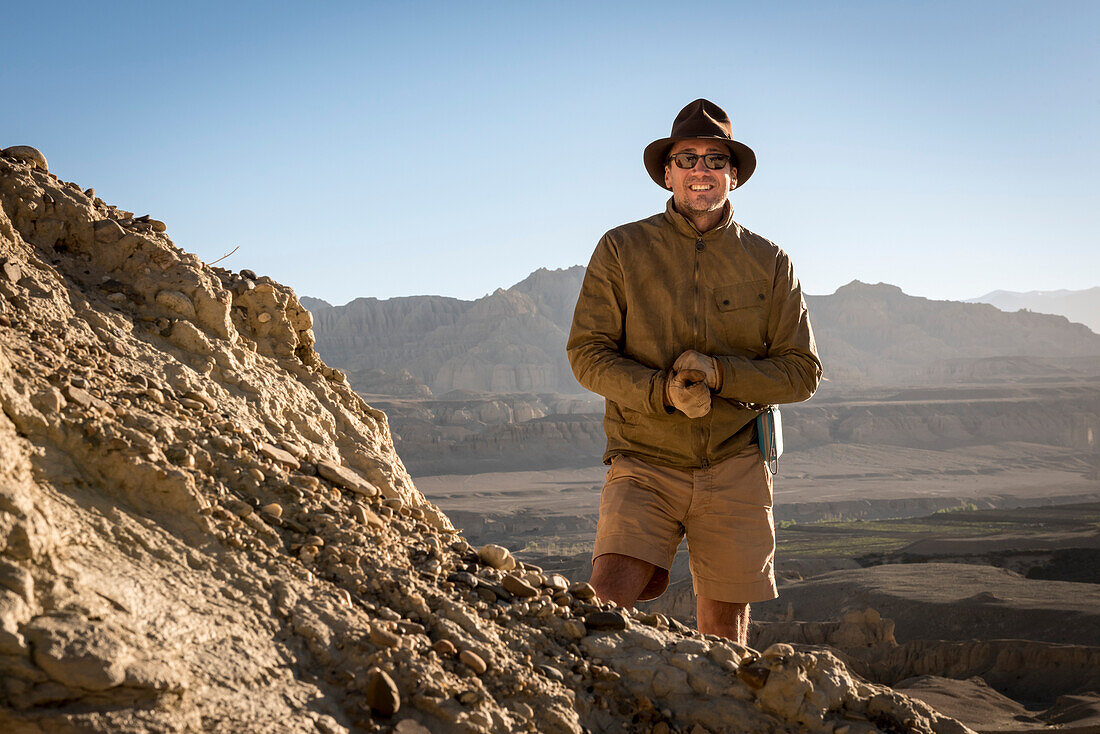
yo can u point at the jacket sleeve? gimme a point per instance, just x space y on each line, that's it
791 371
595 345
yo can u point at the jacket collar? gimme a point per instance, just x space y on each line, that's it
684 227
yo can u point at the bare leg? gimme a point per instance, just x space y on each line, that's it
619 578
723 618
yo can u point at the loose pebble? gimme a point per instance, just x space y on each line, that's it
517 586
605 621
496 556
582 590
444 647
473 661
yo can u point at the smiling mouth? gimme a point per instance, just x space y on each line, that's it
701 187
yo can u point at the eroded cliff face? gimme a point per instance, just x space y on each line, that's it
204 529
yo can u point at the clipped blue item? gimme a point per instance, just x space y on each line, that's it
769 434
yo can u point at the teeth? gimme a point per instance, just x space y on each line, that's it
700 187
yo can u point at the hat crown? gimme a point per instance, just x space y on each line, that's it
702 119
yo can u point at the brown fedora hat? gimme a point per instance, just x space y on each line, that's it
700 120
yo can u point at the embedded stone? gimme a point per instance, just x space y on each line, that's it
517 586
107 231
78 653
176 303
341 476
473 661
78 396
238 507
278 455
444 648
12 271
381 693
293 449
203 398
754 676
383 637
191 404
364 516
27 154
574 629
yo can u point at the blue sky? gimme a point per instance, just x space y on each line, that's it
368 149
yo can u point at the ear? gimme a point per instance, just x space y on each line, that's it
668 177
733 179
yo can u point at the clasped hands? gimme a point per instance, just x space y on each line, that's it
691 380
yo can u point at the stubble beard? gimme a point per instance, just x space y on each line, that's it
689 209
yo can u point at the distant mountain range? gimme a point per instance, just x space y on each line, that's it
1080 306
513 340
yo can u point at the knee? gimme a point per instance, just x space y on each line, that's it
620 579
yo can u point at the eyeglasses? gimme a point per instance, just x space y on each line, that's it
713 161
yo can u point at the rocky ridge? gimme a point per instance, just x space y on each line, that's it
513 340
204 528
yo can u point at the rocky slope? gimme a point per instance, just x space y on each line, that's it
204 529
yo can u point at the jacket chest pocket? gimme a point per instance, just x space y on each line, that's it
751 294
739 323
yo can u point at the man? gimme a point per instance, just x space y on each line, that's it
686 323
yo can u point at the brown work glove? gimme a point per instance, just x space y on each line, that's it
687 391
693 360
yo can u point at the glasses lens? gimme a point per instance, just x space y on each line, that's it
685 160
715 160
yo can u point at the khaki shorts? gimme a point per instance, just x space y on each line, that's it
725 511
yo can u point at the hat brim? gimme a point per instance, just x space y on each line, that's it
657 151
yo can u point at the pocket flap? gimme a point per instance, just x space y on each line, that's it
741 295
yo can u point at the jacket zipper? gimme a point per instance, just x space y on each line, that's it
702 432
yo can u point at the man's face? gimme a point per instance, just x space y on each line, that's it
700 189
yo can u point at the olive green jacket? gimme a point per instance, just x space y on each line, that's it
657 287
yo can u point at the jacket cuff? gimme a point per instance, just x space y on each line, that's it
657 395
726 367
